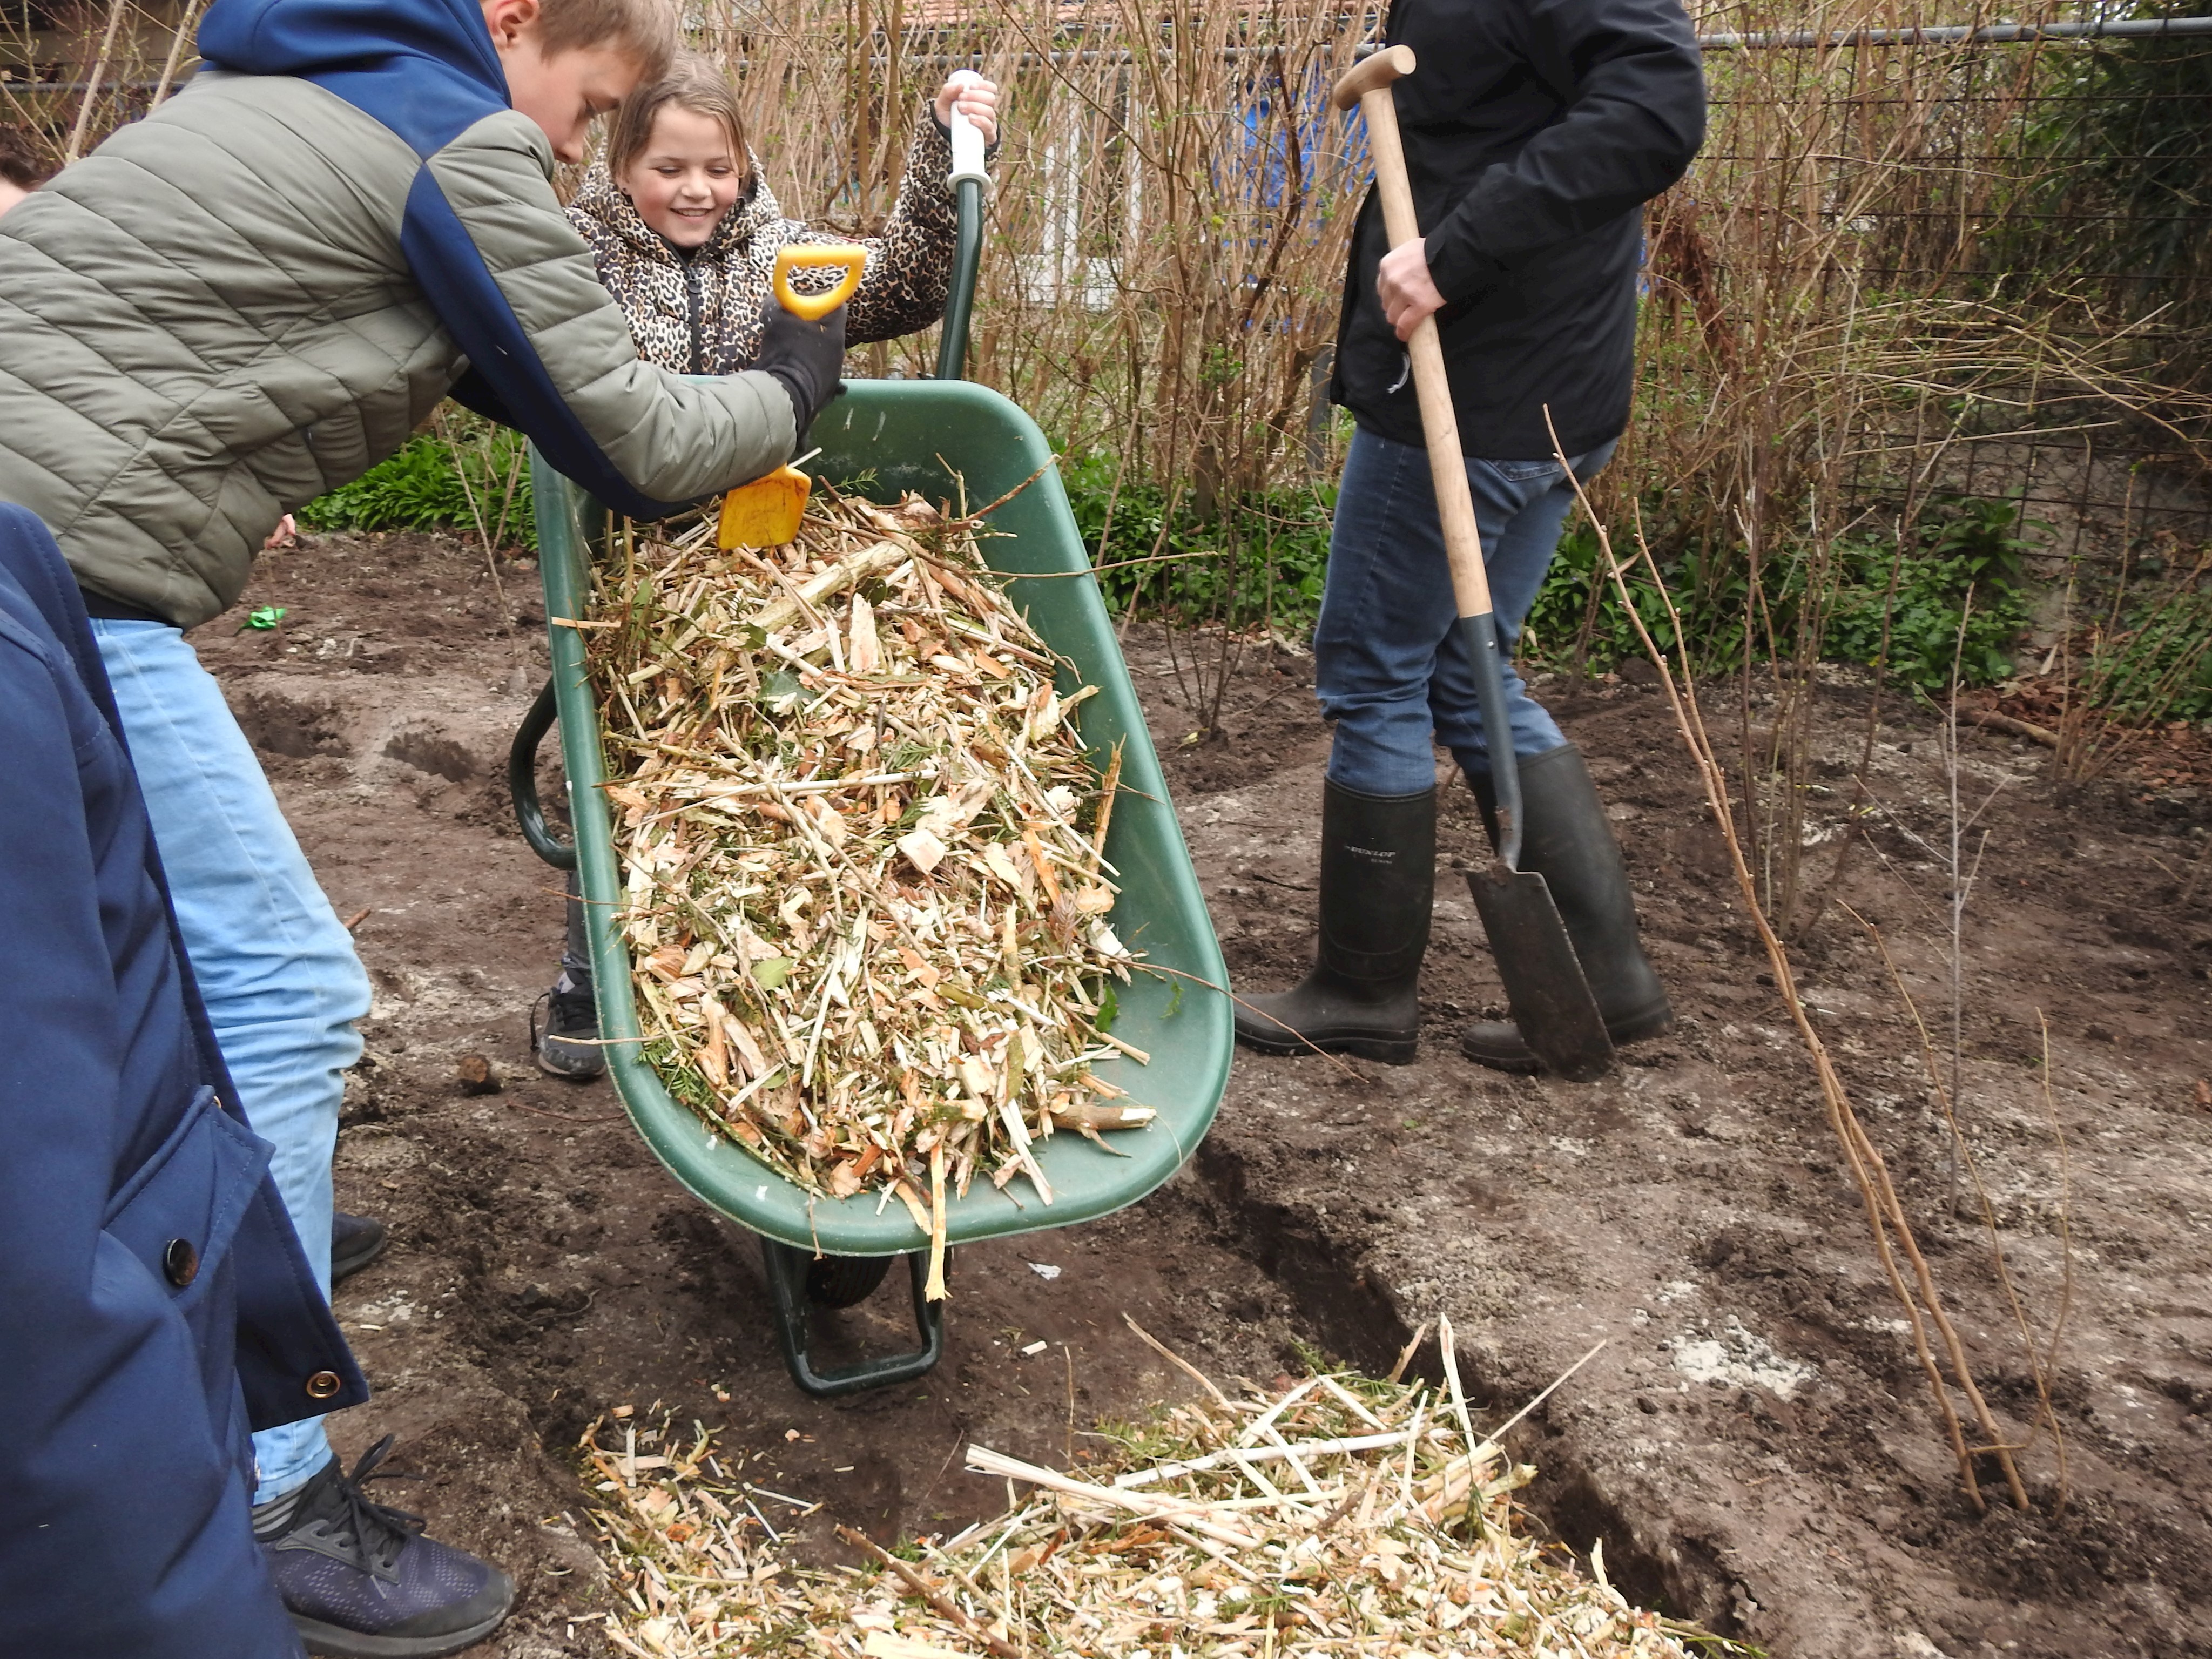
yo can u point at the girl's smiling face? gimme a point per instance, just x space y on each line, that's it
686 177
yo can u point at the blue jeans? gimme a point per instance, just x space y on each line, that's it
1390 667
278 972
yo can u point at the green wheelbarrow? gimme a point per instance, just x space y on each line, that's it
913 435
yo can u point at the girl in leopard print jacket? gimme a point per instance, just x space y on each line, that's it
686 232
685 229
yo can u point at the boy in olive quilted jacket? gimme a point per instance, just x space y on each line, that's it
242 301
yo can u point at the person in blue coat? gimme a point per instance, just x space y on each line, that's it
156 1305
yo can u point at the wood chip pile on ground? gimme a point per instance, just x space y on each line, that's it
1341 1516
865 892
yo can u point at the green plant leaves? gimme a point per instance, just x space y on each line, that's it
1259 561
1956 597
426 485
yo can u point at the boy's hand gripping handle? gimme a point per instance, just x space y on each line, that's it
817 256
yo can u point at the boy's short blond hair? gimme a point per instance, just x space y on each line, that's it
693 82
643 31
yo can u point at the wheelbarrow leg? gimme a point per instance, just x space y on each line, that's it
787 1282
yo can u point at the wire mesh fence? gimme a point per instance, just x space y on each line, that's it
2043 198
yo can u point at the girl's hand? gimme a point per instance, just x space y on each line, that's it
977 100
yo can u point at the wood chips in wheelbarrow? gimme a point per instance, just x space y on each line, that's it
861 840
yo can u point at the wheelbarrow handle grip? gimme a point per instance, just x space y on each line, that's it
968 146
850 257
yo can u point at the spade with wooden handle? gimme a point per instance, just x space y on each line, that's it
1545 986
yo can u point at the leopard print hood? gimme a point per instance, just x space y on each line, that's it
701 315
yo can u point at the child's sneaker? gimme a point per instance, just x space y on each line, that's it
356 1240
361 1581
569 1046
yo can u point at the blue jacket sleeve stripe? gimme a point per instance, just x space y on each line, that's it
452 272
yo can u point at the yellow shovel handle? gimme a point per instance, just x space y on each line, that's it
817 256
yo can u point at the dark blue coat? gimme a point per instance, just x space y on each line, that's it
154 1304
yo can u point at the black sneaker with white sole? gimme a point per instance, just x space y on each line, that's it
361 1581
569 1043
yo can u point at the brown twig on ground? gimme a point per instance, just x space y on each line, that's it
2065 1241
1412 1347
563 1117
2018 728
1884 1213
1174 1359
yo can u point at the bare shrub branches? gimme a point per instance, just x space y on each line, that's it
1892 1230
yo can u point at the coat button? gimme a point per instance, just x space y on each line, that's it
180 1262
323 1384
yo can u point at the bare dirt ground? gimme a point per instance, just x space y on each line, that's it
1754 1443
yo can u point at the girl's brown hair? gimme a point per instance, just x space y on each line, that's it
694 83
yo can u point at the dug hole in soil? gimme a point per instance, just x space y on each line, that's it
1754 1444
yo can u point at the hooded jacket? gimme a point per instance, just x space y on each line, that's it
258 291
699 312
1535 131
155 1302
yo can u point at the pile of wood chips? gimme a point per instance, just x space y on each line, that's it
865 892
1342 1515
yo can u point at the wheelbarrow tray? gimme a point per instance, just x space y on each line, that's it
886 437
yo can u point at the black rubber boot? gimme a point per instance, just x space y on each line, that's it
569 1046
1378 872
1567 839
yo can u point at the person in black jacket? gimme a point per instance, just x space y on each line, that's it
1534 130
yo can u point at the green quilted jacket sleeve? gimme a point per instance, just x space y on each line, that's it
568 371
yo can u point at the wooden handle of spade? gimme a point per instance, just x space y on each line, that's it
1368 87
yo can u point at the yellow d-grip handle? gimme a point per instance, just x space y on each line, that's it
817 256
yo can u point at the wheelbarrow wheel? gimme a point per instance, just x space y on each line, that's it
843 1281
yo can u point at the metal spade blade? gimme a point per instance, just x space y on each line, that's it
1544 985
